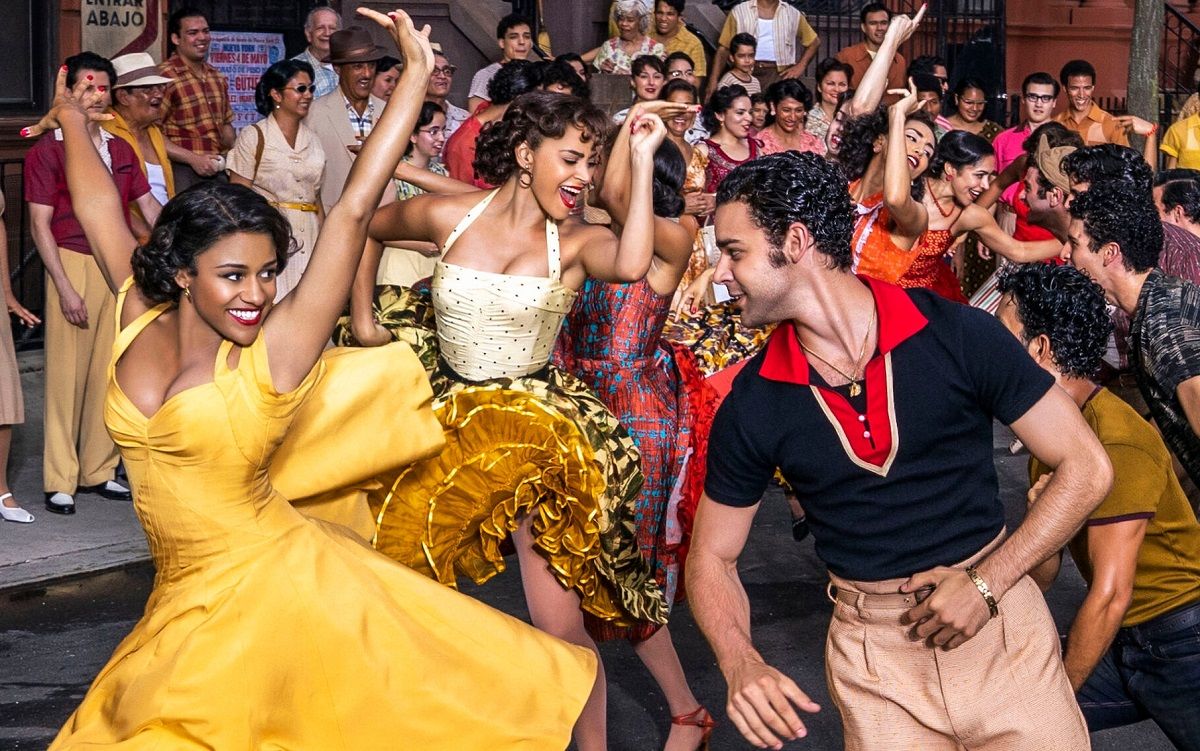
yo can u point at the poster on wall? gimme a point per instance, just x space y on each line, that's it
117 27
243 56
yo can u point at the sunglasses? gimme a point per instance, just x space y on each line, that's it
303 88
445 70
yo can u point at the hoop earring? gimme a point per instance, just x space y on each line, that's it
525 178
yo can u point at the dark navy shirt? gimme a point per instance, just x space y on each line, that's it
900 479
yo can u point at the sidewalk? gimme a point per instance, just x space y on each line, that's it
100 535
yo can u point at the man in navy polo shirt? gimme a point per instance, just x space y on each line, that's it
876 403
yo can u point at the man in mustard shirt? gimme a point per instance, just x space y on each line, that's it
1133 652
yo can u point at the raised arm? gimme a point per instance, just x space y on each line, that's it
909 214
873 85
297 332
627 259
102 215
431 181
762 701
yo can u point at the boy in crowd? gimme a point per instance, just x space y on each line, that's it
742 49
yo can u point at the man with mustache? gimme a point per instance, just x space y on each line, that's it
343 118
136 110
197 117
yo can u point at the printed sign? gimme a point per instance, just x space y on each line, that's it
112 28
243 56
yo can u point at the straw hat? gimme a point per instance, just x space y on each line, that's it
137 69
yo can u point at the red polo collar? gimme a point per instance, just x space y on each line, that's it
899 320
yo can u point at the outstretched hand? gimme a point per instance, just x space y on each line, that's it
75 102
413 44
664 109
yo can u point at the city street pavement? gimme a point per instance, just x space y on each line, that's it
72 587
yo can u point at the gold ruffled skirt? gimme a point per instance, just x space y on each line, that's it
541 445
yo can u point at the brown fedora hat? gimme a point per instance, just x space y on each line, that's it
353 45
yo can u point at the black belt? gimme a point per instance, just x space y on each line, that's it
1184 616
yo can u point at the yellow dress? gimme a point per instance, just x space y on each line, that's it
267 629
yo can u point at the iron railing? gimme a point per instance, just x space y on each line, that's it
1178 63
968 34
24 264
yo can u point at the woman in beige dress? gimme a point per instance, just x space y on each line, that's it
281 159
12 405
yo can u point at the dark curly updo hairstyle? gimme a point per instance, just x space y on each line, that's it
958 148
1065 306
276 78
192 222
858 143
532 118
720 101
512 80
669 173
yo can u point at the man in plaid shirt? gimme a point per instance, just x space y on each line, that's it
197 118
322 22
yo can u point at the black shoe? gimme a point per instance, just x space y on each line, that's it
60 503
113 491
799 528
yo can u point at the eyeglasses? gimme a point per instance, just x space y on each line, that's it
1040 98
973 102
303 88
434 131
445 70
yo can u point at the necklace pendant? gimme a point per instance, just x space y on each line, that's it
855 389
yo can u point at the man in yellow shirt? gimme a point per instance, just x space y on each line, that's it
778 28
1182 143
1132 652
670 32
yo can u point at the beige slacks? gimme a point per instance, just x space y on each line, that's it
1003 690
78 449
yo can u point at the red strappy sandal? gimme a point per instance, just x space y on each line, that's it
698 718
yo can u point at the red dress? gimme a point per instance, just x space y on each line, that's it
929 268
721 164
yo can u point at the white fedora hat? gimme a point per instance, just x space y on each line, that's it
137 69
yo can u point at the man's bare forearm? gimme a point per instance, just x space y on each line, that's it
1092 633
1076 489
721 608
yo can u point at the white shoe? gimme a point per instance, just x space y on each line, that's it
13 513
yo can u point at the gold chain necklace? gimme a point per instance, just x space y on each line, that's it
855 387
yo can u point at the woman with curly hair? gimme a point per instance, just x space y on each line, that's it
514 78
789 100
228 411
532 454
613 342
281 159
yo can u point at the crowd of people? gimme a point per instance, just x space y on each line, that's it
566 334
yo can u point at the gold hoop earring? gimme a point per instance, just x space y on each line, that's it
525 179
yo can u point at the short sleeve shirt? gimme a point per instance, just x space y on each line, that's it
1144 487
688 43
901 478
46 183
804 32
1165 352
1182 141
480 81
195 107
1096 128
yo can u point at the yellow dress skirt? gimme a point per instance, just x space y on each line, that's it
540 445
269 629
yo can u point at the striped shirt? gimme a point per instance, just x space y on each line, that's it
1165 353
195 107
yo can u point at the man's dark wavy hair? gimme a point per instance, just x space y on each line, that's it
788 188
1068 308
1108 161
1112 213
192 222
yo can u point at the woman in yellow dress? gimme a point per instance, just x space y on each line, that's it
267 628
531 453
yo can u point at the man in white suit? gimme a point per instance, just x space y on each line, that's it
344 117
